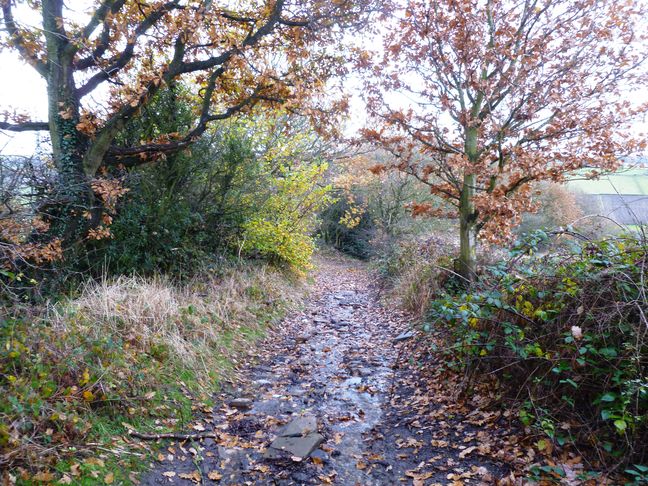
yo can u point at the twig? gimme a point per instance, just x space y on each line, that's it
173 435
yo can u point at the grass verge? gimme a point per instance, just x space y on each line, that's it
125 353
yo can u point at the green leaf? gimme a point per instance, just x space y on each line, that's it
608 397
621 425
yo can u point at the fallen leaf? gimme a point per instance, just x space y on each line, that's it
169 474
43 477
109 479
467 451
194 476
215 476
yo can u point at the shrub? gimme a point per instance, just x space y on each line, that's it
348 226
565 335
250 187
280 228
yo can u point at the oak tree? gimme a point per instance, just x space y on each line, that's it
104 62
502 93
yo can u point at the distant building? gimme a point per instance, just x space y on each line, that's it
622 197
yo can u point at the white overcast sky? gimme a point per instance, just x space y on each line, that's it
21 88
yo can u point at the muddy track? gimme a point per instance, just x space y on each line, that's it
333 363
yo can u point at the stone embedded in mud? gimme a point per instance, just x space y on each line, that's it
321 455
299 438
301 426
301 339
301 447
403 337
241 403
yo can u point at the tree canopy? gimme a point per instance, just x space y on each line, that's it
503 93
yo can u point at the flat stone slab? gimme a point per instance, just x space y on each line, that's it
403 337
301 426
293 446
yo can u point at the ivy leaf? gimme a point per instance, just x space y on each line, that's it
620 424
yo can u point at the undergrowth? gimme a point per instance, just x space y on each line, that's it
136 353
564 335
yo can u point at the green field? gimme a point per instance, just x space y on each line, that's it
628 181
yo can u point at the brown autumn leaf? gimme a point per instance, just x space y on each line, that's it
43 477
214 475
192 476
467 451
109 478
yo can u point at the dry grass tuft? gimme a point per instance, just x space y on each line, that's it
142 348
192 320
415 271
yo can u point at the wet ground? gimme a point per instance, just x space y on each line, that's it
335 363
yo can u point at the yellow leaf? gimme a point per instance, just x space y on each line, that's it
88 396
85 378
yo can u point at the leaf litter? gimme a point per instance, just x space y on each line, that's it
387 416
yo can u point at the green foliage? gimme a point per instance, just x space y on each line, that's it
348 227
249 187
565 333
280 228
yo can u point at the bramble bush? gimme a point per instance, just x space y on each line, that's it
565 334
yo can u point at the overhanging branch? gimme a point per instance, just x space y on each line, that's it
24 127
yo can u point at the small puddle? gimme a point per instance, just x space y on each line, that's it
339 371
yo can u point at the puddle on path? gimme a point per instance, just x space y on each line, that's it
336 365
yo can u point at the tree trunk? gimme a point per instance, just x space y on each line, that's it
467 264
74 198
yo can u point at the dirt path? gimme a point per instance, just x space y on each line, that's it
330 375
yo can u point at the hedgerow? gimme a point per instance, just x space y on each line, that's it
564 333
